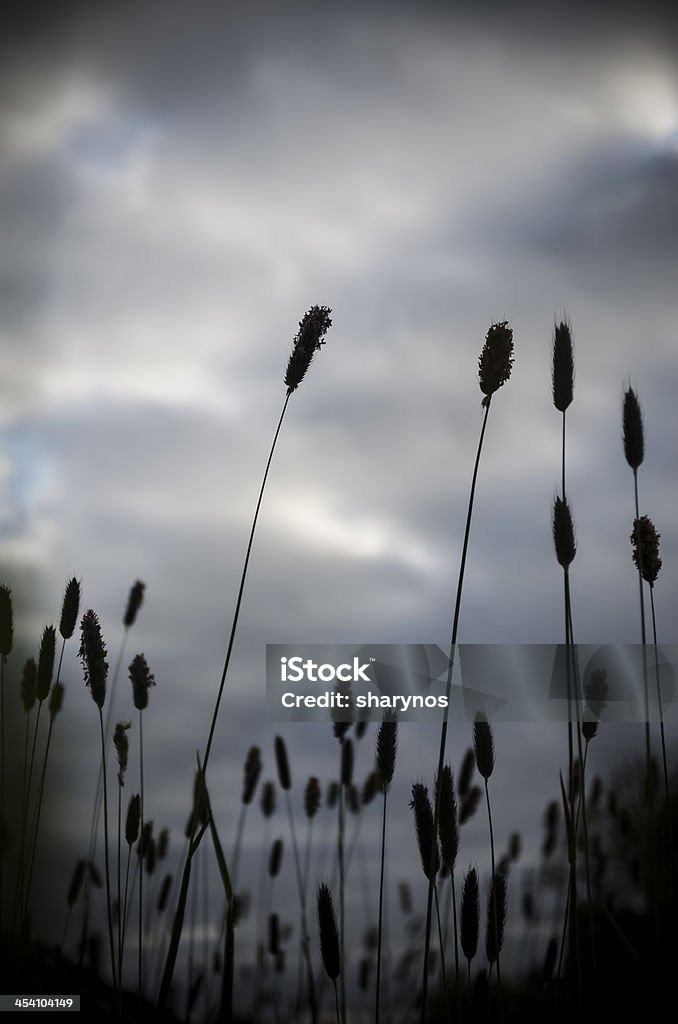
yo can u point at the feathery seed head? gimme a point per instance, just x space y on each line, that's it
282 761
251 774
121 744
426 838
645 541
496 916
470 914
448 827
6 621
133 819
142 679
632 429
496 359
268 799
329 936
92 653
312 797
29 682
136 596
483 744
312 329
563 532
46 663
562 369
56 700
69 609
387 745
332 793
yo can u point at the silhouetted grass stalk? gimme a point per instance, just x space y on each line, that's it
387 745
309 338
495 364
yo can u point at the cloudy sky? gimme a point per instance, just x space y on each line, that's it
178 184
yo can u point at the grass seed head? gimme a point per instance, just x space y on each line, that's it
469 804
448 826
371 787
329 936
145 839
312 797
312 329
387 745
645 541
69 609
632 430
163 843
282 761
275 858
470 914
56 700
465 777
121 744
496 359
268 799
29 683
346 762
136 596
497 902
251 774
563 532
483 744
562 368
133 819
6 621
142 679
46 663
426 837
92 653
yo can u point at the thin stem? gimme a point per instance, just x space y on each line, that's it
446 994
302 901
381 905
448 687
659 702
141 854
38 813
456 945
643 635
494 899
106 861
342 944
241 589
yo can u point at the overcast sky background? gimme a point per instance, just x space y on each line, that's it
178 184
